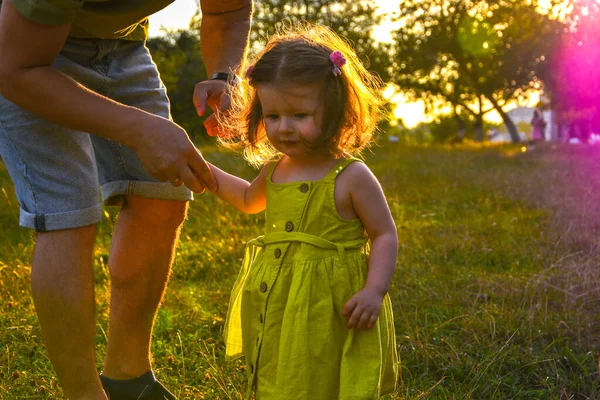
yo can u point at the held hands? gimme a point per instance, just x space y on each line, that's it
168 154
363 309
213 94
166 151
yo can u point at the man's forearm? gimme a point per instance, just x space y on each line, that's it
224 38
57 98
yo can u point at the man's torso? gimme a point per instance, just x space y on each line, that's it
101 19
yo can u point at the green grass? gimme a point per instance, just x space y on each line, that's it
495 296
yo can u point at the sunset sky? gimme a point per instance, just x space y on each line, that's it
178 15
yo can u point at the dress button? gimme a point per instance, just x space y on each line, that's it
304 188
251 368
261 318
277 253
289 226
263 287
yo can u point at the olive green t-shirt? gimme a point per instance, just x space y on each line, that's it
101 19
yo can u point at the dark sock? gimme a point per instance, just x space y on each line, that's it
128 388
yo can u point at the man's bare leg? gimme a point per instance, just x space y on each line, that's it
141 254
63 293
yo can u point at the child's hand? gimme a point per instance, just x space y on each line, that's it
363 309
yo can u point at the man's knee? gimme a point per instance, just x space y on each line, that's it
62 256
155 213
148 231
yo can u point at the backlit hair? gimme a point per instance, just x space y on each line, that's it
300 55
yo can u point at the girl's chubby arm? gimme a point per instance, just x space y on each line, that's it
369 203
247 197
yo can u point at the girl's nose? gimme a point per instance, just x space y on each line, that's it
285 125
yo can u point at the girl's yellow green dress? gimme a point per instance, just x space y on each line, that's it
285 313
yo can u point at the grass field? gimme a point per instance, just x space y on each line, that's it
495 296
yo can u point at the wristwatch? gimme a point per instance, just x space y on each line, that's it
224 76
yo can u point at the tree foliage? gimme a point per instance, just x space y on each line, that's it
179 60
353 20
472 52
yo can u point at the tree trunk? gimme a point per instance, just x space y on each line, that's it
510 125
478 127
461 126
479 121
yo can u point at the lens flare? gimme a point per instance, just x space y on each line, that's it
576 96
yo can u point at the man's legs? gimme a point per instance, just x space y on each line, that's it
63 292
142 250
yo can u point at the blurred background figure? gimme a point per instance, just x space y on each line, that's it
538 125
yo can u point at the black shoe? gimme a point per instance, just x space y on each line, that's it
142 388
158 392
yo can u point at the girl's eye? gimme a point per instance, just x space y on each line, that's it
272 117
301 115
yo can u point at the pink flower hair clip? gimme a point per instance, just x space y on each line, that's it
338 60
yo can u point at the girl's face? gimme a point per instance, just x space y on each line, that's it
293 115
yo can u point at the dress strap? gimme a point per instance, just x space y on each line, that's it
271 168
339 167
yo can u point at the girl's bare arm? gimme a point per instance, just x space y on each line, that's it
245 196
371 207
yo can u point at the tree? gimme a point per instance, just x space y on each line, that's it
353 20
179 60
471 53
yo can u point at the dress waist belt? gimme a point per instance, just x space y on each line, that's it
301 237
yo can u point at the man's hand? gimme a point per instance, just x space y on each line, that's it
223 40
213 94
363 309
168 154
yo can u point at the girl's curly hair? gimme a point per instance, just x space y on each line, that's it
297 56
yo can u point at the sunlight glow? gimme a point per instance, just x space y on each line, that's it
388 92
558 10
383 32
176 16
411 113
179 14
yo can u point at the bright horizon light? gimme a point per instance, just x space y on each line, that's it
176 16
179 14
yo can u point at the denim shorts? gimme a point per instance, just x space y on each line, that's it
59 174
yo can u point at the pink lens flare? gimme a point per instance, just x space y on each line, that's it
575 77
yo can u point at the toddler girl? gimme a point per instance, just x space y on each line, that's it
310 309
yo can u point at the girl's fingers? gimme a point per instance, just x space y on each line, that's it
349 307
363 322
355 317
372 321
